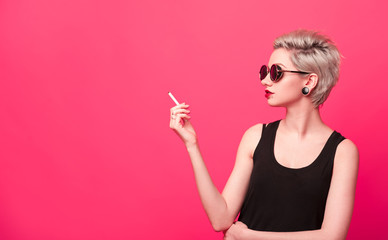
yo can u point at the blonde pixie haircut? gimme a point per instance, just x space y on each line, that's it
315 53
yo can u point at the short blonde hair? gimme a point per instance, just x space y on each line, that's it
316 53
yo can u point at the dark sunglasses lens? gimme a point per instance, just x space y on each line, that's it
263 72
274 73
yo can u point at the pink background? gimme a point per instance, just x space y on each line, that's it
85 147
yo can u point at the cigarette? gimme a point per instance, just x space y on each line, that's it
173 98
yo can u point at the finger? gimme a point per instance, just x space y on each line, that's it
226 237
173 116
173 121
182 116
180 106
241 224
180 120
180 111
175 109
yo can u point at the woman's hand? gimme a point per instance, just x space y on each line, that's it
236 231
180 123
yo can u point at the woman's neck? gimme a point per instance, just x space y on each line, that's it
302 122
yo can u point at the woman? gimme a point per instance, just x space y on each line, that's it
294 178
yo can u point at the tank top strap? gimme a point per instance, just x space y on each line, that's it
267 135
331 146
270 130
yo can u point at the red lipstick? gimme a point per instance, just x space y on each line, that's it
268 93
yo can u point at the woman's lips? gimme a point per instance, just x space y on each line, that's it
268 93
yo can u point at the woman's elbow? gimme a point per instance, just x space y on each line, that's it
219 226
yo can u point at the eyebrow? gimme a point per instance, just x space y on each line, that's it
280 64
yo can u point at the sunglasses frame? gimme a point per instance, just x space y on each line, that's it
279 72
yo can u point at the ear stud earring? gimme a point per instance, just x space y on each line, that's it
305 91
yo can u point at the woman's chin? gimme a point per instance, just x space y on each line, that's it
273 103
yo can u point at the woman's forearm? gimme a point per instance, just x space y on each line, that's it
302 235
213 202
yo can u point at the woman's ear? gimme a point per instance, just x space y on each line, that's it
312 81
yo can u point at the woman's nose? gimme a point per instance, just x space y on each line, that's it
267 81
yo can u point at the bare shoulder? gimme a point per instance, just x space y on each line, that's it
255 129
347 149
347 154
251 138
254 132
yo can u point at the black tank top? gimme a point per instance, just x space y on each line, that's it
284 199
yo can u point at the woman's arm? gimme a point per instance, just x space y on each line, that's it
221 209
339 205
